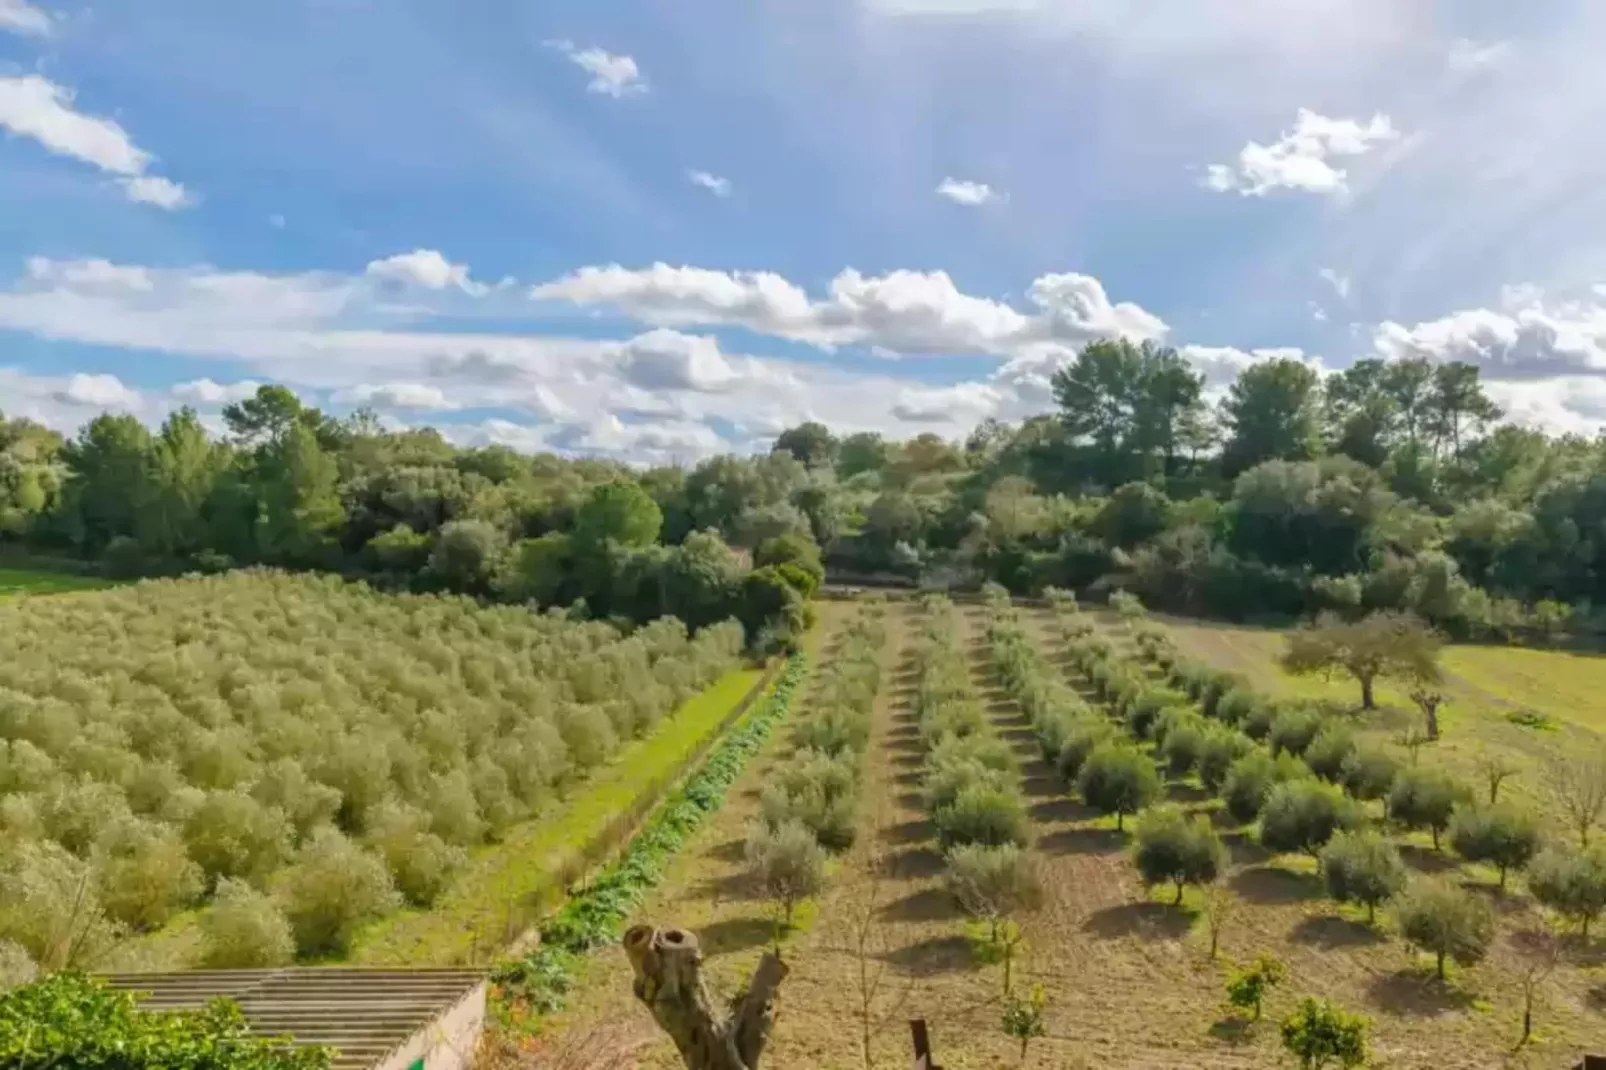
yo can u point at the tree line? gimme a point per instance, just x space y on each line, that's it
1388 485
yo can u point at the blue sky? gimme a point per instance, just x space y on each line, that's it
656 230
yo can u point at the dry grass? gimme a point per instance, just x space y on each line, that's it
1129 983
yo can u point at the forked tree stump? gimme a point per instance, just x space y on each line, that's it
668 966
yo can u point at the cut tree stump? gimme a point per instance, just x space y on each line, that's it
668 966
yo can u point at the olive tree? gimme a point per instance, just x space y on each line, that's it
1118 779
244 929
1446 921
1319 1034
1302 815
1170 848
334 887
1577 783
1425 799
992 883
1573 884
787 866
1251 779
1383 645
1503 835
1248 986
1362 867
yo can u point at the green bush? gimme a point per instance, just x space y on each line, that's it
1184 743
1293 731
333 888
244 929
1501 834
1571 883
1329 754
1248 986
984 814
1234 706
1084 739
1171 848
145 876
1258 721
1446 921
1302 815
420 862
1369 773
1118 779
1425 799
1250 780
49 906
1319 1033
1220 747
232 835
787 865
992 883
1362 867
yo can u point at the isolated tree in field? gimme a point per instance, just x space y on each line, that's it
1577 783
1362 867
1573 884
1171 849
1383 645
1425 799
1503 835
1302 815
1496 769
1023 1018
1118 779
993 883
1446 921
1538 953
1319 1034
1248 986
1217 905
787 865
1428 700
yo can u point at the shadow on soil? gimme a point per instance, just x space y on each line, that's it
1082 841
1273 884
1330 933
1186 793
940 954
917 863
1149 921
931 904
734 935
909 832
908 778
1232 1030
1412 994
1244 850
729 851
1425 860
1062 809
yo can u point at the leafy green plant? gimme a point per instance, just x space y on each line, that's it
1319 1034
1023 1018
1249 985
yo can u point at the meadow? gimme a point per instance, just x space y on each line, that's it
1127 973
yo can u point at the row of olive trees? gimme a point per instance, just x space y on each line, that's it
810 806
163 743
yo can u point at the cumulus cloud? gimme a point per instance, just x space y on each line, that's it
1528 340
426 268
611 75
961 403
98 392
719 187
34 107
397 396
21 17
668 360
1300 158
969 194
207 392
901 312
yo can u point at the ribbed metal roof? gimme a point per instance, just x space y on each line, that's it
364 1014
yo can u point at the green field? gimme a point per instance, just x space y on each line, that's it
468 921
15 581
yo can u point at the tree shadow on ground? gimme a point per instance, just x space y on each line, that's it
1082 841
929 904
1232 1030
1062 809
729 851
916 863
1411 993
908 778
1149 921
939 954
905 760
910 800
734 935
1020 736
728 887
907 832
1425 859
1244 851
1595 998
1040 785
1273 884
1331 933
1181 792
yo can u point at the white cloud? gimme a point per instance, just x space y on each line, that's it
719 187
962 403
1299 159
668 360
98 392
611 75
36 108
90 274
1466 56
1528 340
207 392
19 16
397 396
1339 283
427 268
969 194
902 312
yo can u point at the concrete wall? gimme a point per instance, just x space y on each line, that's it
447 1043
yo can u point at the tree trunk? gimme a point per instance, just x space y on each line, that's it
1527 1016
1502 878
1435 837
1371 913
1441 965
1368 702
1178 901
1118 818
1433 722
668 969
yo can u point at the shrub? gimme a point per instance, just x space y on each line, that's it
1144 710
1362 867
1118 779
992 883
145 876
1369 773
944 782
420 862
1085 738
1446 921
49 906
1571 883
1500 834
1219 748
17 967
244 929
1257 722
333 888
1171 848
1184 742
1250 780
1292 731
984 814
232 835
1302 815
787 866
1329 754
1248 986
1213 689
1424 798
1319 1033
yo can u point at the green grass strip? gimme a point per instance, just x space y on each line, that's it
540 981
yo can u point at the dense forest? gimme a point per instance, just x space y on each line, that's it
1386 485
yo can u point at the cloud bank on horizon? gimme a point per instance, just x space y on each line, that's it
501 226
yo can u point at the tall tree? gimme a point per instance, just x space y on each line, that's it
108 479
1131 402
1458 405
1409 384
1361 414
811 443
298 487
1271 412
184 468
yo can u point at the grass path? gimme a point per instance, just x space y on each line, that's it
15 581
470 921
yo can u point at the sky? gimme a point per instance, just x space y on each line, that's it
657 230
